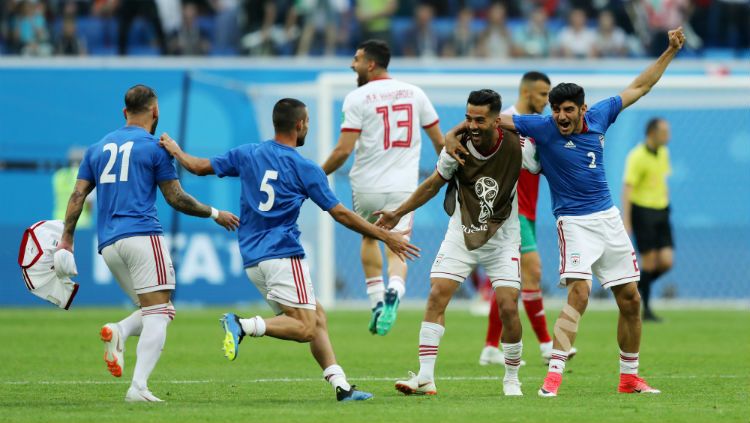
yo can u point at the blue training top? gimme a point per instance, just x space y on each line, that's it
126 166
275 181
574 164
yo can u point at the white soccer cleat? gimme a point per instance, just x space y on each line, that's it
114 350
493 355
140 395
512 388
413 387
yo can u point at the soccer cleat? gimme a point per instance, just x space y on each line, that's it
551 385
547 355
388 316
413 387
512 388
632 384
352 394
113 349
493 355
140 395
376 311
233 335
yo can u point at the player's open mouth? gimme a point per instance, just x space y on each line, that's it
564 125
475 135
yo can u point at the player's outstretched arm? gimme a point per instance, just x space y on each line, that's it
195 165
341 152
185 203
429 188
394 240
75 205
642 84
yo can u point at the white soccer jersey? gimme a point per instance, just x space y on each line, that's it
388 115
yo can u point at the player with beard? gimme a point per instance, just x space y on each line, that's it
591 234
533 95
125 167
383 120
483 230
275 181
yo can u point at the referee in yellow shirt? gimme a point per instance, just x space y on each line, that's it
645 206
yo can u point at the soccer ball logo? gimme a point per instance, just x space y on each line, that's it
486 189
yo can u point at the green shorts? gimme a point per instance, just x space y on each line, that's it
528 235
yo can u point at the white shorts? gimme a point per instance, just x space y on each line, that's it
284 281
140 264
365 204
598 244
500 257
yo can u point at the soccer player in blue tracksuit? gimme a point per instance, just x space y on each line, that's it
276 180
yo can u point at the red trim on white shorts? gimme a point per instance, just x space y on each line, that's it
158 261
299 280
350 130
561 239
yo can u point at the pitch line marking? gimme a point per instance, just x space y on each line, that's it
298 380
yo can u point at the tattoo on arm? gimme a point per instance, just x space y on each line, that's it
75 207
182 201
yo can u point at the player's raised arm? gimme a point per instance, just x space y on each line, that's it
186 203
394 240
195 165
75 205
651 75
429 188
341 152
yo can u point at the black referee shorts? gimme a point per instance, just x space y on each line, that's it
651 228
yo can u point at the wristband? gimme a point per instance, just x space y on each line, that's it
214 213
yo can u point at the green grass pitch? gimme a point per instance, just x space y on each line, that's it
51 369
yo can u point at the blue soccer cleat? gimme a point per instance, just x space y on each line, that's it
233 335
376 311
388 316
352 394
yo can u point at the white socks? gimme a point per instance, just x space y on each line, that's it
397 284
557 361
254 326
335 376
628 363
375 290
512 354
131 325
429 339
155 319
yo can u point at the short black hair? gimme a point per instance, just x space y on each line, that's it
567 91
534 76
377 51
286 113
138 98
652 124
486 97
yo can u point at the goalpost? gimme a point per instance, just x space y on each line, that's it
693 103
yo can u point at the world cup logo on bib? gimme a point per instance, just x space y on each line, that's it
486 189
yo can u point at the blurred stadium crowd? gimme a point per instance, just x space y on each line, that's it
415 28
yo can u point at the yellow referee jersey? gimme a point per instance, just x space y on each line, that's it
647 173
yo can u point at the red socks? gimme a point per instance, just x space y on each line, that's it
532 302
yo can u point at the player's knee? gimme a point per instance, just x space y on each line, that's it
307 334
322 319
508 307
578 296
665 264
629 302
